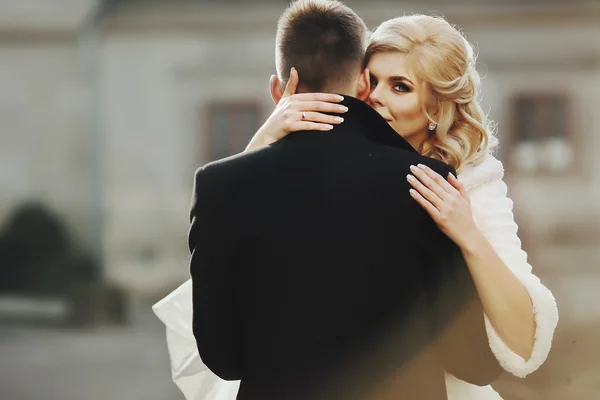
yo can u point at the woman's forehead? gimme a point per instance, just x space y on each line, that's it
386 65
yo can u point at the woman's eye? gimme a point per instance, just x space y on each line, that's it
373 81
401 88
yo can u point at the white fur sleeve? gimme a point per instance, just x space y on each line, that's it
492 211
189 373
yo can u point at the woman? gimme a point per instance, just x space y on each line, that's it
424 84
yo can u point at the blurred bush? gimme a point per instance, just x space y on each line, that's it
39 258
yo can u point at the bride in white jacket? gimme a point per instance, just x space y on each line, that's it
425 84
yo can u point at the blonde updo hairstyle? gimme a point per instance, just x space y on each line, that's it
443 63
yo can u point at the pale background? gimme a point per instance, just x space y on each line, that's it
107 108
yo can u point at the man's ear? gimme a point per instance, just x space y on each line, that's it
276 88
364 85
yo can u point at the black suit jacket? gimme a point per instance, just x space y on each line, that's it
317 276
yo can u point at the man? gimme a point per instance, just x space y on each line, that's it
315 275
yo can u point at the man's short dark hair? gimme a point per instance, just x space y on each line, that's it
324 40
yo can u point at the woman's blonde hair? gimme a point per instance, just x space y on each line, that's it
443 62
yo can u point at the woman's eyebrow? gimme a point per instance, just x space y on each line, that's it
400 78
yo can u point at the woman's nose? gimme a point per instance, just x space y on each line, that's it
375 97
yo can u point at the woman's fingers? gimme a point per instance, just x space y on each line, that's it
319 106
309 121
312 116
310 126
424 191
437 178
431 210
326 97
312 121
430 182
458 185
309 111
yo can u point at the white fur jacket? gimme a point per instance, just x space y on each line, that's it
492 211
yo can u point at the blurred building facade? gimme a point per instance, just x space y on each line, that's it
109 107
182 85
45 148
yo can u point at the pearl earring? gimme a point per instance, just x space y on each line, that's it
432 126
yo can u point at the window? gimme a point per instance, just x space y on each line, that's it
540 136
231 125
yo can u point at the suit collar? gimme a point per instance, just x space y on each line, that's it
361 117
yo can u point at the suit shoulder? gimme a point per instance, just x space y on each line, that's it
211 171
438 166
225 165
229 169
215 166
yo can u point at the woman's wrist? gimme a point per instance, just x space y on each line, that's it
473 241
260 139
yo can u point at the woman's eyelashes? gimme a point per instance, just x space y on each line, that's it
396 86
401 87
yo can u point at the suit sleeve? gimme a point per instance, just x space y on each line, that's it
216 319
457 318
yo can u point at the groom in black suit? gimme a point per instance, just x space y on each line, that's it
316 276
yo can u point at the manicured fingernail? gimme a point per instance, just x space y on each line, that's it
339 119
328 127
413 192
292 70
343 108
340 98
420 166
413 168
410 177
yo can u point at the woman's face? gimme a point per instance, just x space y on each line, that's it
394 95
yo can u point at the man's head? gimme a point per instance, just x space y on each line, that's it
325 41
